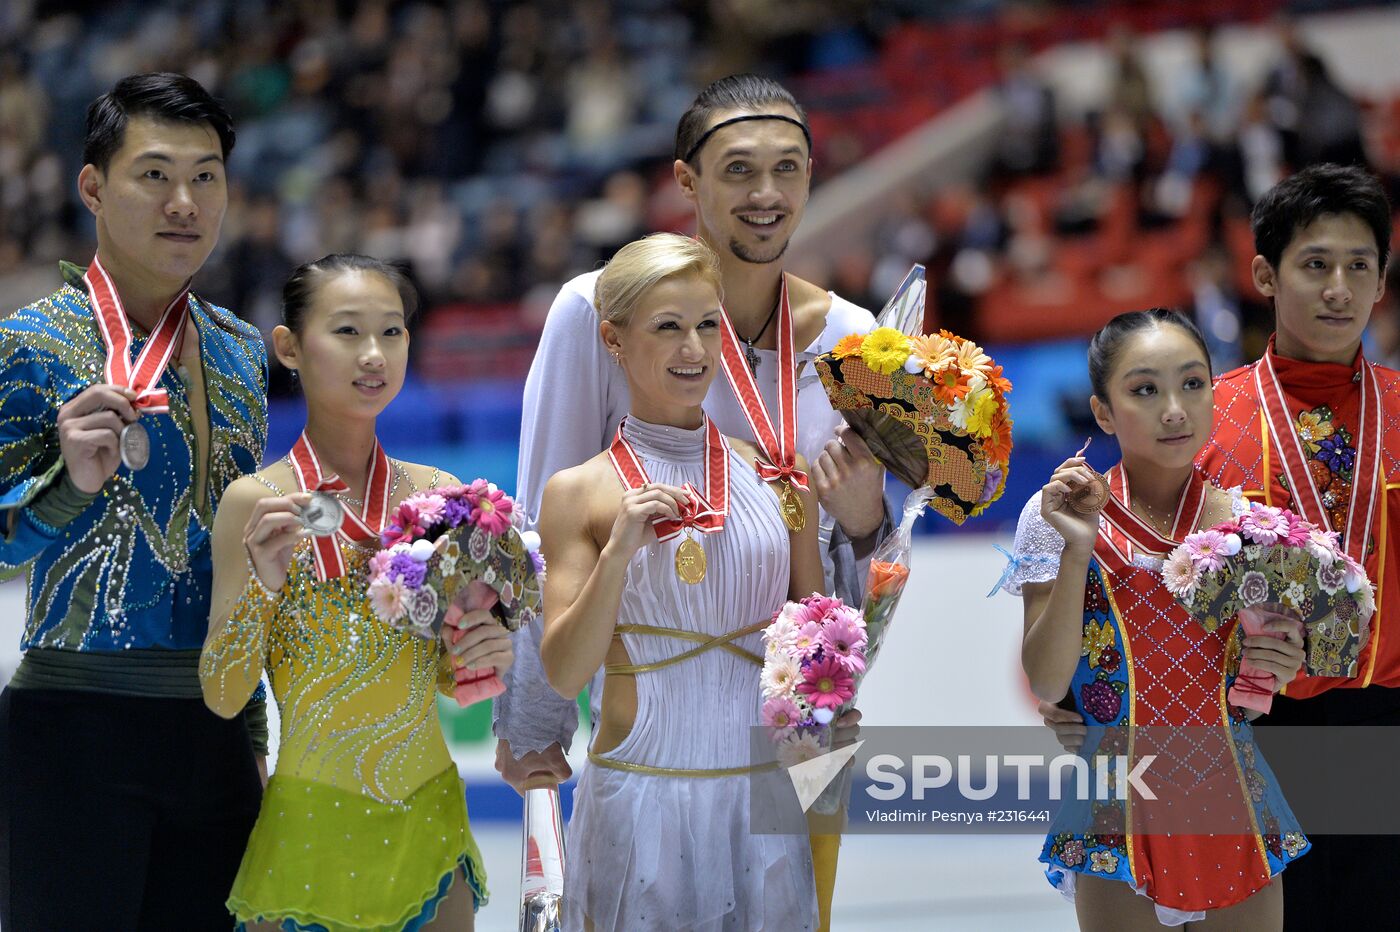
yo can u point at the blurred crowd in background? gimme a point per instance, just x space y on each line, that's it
499 148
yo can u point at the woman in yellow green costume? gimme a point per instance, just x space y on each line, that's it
364 823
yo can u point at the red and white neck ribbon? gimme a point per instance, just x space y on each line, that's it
355 528
1366 471
1122 534
112 323
704 513
780 446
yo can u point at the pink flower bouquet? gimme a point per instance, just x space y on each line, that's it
814 655
1268 560
459 546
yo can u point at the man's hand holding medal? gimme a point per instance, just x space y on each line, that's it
97 432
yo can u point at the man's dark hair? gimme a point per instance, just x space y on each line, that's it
160 95
1299 199
750 92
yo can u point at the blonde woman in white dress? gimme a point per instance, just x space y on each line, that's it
660 833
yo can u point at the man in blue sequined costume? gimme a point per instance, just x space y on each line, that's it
124 802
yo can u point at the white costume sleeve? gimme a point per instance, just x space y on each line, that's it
575 395
574 398
1036 553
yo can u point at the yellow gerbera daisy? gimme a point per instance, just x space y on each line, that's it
848 346
885 349
982 408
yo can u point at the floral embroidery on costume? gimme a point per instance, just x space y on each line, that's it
1331 452
1102 697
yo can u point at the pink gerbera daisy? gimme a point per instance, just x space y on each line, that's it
1264 525
845 641
1325 545
1207 549
819 606
379 563
491 511
781 712
429 506
808 637
389 599
404 524
826 684
1180 575
1299 532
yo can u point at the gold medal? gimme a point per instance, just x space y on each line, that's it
794 513
690 561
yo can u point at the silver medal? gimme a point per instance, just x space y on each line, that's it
135 446
322 515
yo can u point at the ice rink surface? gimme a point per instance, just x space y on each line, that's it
926 883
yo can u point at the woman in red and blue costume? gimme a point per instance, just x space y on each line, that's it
1102 627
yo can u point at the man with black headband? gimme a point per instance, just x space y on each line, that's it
743 158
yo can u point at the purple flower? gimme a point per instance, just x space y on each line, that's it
408 570
1336 454
456 511
989 484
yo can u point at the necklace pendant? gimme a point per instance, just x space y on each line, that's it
690 561
794 513
751 357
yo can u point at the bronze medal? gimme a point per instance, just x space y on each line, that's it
794 513
690 561
1089 499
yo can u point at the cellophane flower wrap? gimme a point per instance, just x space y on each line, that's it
884 587
889 574
1270 557
459 544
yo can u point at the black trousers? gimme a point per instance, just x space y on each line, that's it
1345 882
119 812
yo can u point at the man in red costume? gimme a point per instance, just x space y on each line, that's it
1314 427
